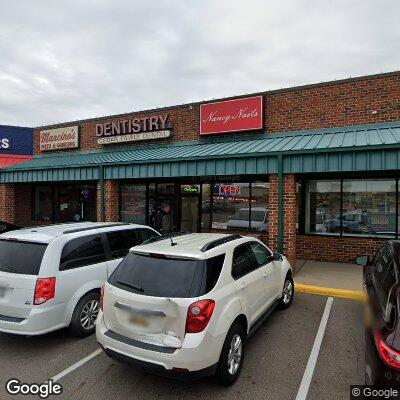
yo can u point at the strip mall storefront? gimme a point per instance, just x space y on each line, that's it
312 170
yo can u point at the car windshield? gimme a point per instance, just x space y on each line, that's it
21 257
159 276
257 215
241 215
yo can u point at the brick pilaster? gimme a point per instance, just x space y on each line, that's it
111 201
7 203
289 216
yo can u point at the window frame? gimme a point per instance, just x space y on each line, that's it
267 250
61 266
302 222
247 244
106 242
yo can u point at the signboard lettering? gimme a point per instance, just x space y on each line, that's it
59 138
133 129
231 116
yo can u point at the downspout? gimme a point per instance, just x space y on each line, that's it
279 242
102 199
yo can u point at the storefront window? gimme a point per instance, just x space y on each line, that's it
259 206
190 207
230 209
323 207
76 203
43 203
133 204
351 207
369 207
72 203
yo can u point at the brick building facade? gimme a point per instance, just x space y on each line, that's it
330 136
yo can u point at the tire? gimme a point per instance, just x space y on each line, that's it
226 373
88 305
287 294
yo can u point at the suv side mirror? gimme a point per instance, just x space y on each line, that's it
277 257
362 260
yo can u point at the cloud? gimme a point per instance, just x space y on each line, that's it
69 60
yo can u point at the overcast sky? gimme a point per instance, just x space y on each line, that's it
74 59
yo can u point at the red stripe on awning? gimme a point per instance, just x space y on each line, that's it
11 159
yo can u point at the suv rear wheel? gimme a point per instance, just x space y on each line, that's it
232 354
85 315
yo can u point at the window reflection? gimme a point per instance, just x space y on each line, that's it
231 206
365 207
133 204
369 207
323 207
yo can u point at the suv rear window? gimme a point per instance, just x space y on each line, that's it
21 257
153 275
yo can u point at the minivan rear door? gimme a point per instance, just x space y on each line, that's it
19 268
149 295
83 261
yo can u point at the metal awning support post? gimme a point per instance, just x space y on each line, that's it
279 242
102 195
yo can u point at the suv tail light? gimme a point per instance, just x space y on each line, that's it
199 315
101 297
45 289
389 356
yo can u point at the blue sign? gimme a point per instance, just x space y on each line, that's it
16 140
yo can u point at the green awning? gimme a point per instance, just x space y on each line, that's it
356 148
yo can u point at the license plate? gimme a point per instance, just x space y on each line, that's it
138 320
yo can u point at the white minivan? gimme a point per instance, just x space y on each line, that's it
50 276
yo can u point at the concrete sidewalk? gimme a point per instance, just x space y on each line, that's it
329 275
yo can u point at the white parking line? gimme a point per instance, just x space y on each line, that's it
312 361
76 365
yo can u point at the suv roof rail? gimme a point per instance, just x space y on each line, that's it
89 228
219 242
163 237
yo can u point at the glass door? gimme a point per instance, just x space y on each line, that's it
76 203
162 207
190 195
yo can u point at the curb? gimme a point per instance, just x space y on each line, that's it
326 291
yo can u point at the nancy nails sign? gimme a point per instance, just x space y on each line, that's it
231 116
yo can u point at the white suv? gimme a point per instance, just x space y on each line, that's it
184 306
50 277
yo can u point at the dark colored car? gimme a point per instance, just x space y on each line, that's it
6 227
382 324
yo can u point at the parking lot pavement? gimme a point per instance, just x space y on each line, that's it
276 357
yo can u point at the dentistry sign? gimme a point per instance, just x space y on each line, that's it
134 129
238 115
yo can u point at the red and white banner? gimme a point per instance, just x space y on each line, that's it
231 116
